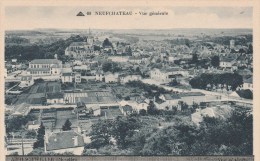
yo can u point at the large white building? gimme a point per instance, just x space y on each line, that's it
80 50
168 74
45 67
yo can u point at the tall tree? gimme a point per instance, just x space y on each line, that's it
123 129
101 133
151 109
67 125
40 137
106 43
215 61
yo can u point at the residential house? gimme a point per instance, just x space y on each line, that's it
247 94
100 76
71 77
33 125
26 81
193 97
111 77
21 109
126 110
77 77
65 141
168 101
137 104
226 62
248 84
135 60
55 98
45 67
67 77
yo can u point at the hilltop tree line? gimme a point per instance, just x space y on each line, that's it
37 51
208 80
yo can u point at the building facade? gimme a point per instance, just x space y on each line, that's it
45 67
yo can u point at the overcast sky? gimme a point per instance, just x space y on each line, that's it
19 17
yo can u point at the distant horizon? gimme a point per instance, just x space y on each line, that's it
128 29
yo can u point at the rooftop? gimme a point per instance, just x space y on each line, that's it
26 78
45 61
188 94
171 96
64 140
55 95
249 80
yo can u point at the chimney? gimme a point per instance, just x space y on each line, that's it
75 141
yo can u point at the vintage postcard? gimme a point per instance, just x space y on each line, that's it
134 80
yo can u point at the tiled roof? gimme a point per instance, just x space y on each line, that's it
45 61
55 95
63 140
171 96
26 78
38 69
188 94
249 80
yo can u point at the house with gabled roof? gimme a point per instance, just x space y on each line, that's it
248 84
193 97
166 75
26 81
226 62
65 141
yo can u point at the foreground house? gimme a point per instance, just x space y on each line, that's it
65 141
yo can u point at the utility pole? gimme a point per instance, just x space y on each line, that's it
22 146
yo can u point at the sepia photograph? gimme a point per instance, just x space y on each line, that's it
128 81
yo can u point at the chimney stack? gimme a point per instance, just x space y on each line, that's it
75 141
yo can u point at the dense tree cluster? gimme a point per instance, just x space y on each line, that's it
17 123
40 51
16 40
121 129
111 67
107 43
214 136
226 79
151 90
225 40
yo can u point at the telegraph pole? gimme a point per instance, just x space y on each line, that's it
22 146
